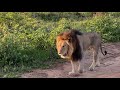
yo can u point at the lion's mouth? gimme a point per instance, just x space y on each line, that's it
65 54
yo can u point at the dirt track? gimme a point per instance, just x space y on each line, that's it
110 67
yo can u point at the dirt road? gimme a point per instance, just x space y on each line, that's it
110 67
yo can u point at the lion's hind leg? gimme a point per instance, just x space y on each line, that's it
95 61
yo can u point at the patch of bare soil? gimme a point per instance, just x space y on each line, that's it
110 66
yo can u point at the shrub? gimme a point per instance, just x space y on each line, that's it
107 26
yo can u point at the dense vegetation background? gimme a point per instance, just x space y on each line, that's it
27 39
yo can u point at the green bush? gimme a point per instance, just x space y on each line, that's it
107 26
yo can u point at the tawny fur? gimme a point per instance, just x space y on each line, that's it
72 44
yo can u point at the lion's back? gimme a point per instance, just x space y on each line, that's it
89 39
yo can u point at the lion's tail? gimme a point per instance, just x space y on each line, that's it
105 52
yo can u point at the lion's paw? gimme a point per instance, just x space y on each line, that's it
81 71
71 73
98 64
91 68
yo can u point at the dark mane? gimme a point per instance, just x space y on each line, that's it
76 32
77 54
71 36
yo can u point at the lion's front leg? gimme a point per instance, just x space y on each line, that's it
73 64
81 63
81 66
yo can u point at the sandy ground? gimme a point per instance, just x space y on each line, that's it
110 66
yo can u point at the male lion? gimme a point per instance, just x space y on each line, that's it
72 45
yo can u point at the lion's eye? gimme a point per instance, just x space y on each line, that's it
63 46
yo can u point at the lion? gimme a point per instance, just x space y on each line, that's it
73 44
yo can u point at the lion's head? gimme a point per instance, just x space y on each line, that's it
67 45
63 45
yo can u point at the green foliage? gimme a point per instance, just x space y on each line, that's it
60 27
107 26
27 39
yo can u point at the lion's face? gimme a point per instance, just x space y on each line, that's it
64 48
